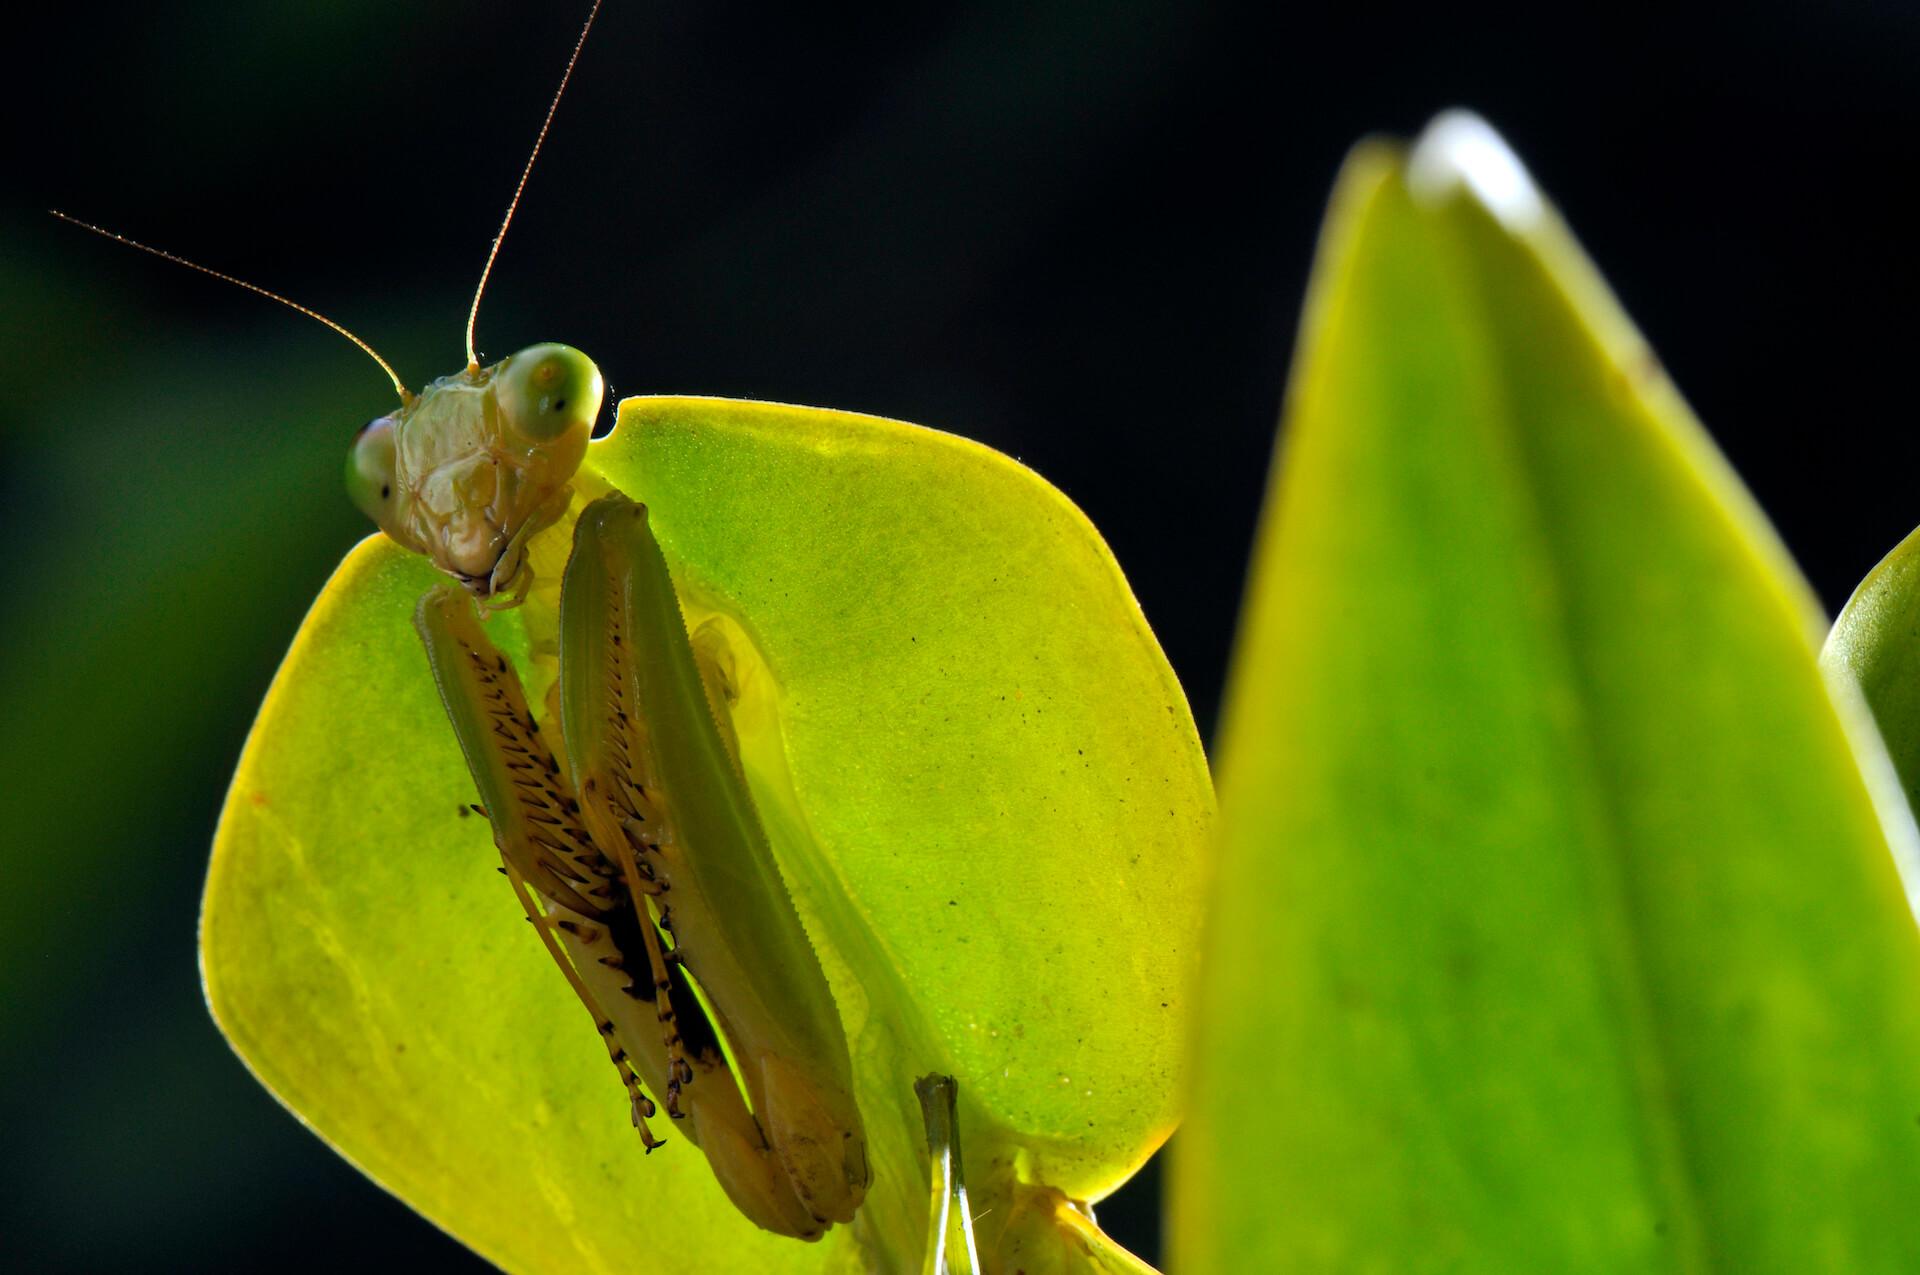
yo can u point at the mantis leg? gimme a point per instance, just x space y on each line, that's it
535 816
545 924
590 910
656 772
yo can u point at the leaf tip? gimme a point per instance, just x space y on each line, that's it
1457 151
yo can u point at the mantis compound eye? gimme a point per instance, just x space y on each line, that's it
546 392
370 478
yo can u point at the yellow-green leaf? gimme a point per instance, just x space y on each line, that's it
980 776
1556 930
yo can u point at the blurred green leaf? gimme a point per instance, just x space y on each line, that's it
166 519
1556 930
981 779
172 499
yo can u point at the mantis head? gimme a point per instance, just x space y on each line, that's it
468 470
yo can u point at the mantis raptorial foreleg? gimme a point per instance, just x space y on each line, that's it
590 908
545 924
657 776
535 816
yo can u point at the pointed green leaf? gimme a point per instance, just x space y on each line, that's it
982 783
1556 930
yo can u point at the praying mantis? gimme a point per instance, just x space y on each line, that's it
635 850
614 839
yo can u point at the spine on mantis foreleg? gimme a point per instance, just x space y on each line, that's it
659 783
593 919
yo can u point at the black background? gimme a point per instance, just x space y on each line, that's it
1078 232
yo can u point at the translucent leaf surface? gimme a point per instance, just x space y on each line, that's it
1556 930
982 782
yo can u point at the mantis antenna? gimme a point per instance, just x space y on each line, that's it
406 395
473 360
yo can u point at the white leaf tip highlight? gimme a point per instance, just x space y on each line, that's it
1459 150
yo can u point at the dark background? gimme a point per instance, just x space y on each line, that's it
1078 232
